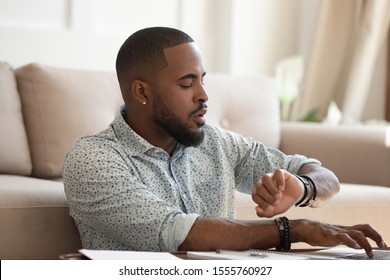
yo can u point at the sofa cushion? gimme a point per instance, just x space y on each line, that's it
14 151
35 221
228 96
60 105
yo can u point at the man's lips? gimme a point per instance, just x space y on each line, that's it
199 116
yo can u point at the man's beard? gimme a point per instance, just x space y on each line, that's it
167 120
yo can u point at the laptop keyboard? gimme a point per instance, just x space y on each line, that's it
378 255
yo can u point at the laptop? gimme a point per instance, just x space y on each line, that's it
334 253
351 254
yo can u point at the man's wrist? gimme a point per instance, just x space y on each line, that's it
310 191
285 233
300 230
305 191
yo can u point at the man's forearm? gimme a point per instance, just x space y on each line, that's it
211 234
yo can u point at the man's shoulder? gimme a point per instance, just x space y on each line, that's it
215 130
99 141
106 135
218 133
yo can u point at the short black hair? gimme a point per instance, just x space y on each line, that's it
142 54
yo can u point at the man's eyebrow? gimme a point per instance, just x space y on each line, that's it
191 76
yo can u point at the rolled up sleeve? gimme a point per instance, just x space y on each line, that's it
176 231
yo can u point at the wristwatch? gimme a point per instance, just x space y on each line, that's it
310 191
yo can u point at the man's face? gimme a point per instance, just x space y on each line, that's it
179 97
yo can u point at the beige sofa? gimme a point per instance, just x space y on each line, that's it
43 110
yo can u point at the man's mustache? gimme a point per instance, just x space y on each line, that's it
200 108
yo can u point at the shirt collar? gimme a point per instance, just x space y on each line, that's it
134 143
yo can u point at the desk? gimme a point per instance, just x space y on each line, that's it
183 254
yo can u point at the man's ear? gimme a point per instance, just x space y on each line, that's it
140 91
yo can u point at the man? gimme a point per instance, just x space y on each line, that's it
161 179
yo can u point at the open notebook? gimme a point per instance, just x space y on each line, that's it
126 255
325 254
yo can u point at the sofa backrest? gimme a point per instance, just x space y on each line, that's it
14 151
246 105
61 105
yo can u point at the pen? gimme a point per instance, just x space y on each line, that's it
257 254
242 253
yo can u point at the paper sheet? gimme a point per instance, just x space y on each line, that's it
245 255
126 255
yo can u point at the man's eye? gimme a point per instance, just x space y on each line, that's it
186 86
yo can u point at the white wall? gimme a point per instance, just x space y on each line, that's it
74 33
236 36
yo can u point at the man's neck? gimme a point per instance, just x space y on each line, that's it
155 137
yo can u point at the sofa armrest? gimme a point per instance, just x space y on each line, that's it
355 153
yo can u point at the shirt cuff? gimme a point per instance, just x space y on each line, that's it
176 231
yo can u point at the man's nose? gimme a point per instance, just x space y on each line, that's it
201 94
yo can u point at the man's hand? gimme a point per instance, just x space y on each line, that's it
328 235
276 192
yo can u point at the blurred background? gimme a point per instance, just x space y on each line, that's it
320 52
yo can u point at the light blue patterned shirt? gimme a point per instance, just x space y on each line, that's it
125 194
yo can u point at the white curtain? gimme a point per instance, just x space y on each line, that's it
349 35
